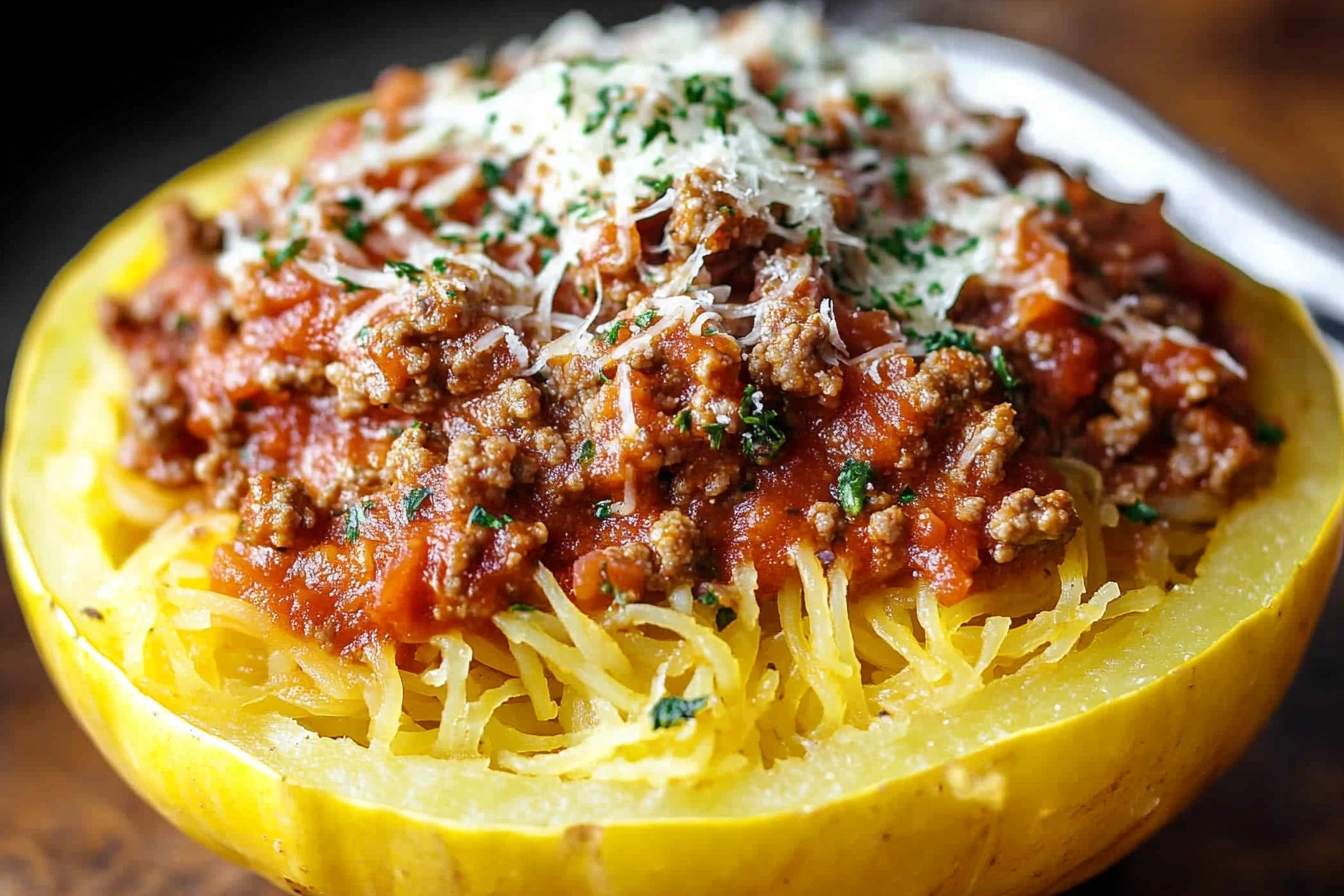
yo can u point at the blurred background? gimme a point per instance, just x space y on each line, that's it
121 100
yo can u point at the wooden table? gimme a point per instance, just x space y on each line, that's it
1260 80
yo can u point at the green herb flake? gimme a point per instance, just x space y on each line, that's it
852 485
440 265
355 230
708 598
669 712
949 338
907 495
613 332
349 285
356 515
968 246
644 318
492 173
353 203
815 248
566 93
654 128
1139 512
999 362
362 337
900 177
762 440
724 617
1268 434
306 193
405 270
874 116
522 608
603 509
484 518
683 420
587 451
414 498
715 432
658 185
291 251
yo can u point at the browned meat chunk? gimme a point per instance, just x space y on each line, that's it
795 341
276 511
1210 449
1025 518
187 234
1119 433
674 538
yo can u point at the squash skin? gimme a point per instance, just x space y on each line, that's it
1089 758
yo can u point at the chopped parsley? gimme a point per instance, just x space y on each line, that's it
356 515
644 318
852 485
431 215
291 251
566 93
900 177
669 712
405 270
603 509
811 117
306 192
949 338
484 518
613 332
968 246
362 337
725 617
353 203
715 432
708 598
1139 512
658 185
683 420
414 498
873 115
350 285
654 128
355 230
907 495
598 115
1093 320
492 173
440 265
762 440
999 362
1268 434
521 608
814 244
903 298
587 451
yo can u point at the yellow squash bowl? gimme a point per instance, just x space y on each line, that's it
1029 786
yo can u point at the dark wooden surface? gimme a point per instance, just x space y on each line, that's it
1260 80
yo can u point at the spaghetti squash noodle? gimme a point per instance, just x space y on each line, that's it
655 404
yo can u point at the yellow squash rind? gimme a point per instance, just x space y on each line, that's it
1030 786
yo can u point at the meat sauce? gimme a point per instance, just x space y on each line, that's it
400 474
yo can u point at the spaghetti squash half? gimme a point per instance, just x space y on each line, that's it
641 461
